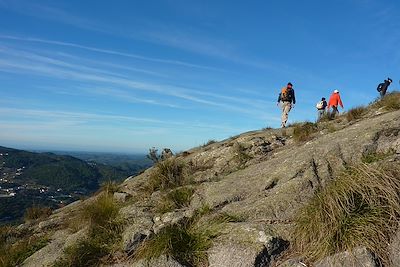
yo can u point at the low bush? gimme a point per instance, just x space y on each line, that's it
37 212
356 113
176 199
303 132
167 174
361 207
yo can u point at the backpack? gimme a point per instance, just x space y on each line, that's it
285 94
320 105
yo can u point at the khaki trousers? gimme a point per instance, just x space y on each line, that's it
286 107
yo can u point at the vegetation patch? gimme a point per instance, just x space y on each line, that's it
15 249
390 102
360 208
186 242
303 132
376 156
109 187
167 174
37 212
176 199
105 229
240 155
356 113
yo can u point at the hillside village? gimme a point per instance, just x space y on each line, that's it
312 194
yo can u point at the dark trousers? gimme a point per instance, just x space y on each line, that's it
334 111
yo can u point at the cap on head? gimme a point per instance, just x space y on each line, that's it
389 80
290 85
322 99
336 91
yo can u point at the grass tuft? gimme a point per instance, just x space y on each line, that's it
167 174
14 249
303 132
37 212
376 156
176 199
356 113
109 187
105 229
360 208
186 242
390 102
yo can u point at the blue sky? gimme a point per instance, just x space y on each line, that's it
124 76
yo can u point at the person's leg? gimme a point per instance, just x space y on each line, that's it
286 107
382 93
334 111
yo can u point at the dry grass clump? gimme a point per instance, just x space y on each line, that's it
360 208
37 212
105 229
169 173
176 199
303 132
356 113
390 102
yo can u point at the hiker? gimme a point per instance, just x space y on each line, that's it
382 87
334 101
321 107
287 100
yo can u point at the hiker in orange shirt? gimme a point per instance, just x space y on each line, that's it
334 101
287 100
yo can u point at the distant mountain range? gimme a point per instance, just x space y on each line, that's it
30 178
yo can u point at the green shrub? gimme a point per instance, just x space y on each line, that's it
360 208
37 212
169 173
105 229
390 102
303 132
356 113
176 199
185 242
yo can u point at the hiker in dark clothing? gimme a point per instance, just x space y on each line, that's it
321 107
382 87
286 98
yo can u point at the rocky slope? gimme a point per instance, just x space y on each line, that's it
258 179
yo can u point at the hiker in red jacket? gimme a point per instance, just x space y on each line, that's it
334 101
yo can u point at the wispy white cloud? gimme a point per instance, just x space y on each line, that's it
110 52
38 65
78 118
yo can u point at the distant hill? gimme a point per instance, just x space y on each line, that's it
28 178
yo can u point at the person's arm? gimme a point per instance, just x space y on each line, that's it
379 88
293 98
340 102
279 97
